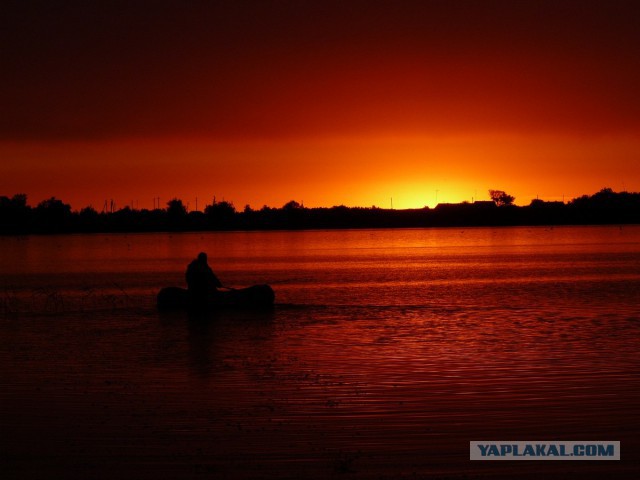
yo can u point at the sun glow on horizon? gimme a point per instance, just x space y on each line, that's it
325 103
409 172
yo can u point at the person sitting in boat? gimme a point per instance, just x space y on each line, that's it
201 281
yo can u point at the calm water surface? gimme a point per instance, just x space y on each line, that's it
387 352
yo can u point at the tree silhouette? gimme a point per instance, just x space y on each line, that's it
221 214
176 209
292 205
501 198
176 214
14 213
53 215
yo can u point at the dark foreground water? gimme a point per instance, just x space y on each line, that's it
388 352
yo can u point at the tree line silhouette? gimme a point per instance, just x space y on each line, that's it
55 216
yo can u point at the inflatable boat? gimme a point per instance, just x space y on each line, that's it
256 296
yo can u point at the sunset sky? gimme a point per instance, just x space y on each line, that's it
324 102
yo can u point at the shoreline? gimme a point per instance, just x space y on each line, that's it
53 216
320 229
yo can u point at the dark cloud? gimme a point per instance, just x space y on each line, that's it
255 68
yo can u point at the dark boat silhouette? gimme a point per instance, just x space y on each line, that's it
256 296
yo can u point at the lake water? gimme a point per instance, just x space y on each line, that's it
386 353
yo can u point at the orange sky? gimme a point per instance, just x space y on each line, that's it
323 102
